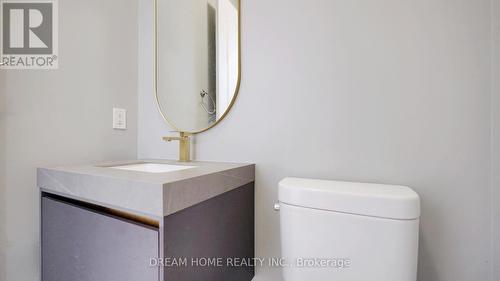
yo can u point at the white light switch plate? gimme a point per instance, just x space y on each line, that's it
119 119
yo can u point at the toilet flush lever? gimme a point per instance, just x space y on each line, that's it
277 206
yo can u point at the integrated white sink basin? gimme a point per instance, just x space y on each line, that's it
152 167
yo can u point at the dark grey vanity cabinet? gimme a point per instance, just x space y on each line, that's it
86 242
81 244
220 229
103 224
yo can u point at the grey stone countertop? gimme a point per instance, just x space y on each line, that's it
148 194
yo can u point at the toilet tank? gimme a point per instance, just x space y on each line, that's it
347 231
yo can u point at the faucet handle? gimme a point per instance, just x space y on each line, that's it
184 145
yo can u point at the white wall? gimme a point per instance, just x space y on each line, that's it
384 91
64 116
2 176
495 139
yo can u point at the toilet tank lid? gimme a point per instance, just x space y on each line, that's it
377 200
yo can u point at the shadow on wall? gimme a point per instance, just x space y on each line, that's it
3 150
427 265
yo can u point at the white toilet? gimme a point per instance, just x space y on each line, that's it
347 231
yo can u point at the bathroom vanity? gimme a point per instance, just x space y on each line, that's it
147 220
162 220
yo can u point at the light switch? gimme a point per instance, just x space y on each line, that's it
119 119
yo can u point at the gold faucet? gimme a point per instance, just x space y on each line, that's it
184 146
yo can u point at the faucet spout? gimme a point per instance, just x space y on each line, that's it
184 146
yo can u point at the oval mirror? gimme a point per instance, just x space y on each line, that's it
197 61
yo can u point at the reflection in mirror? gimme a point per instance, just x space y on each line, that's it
197 61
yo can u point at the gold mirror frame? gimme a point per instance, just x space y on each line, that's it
155 82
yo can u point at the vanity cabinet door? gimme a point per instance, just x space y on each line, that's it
80 244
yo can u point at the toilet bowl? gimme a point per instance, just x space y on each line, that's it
347 231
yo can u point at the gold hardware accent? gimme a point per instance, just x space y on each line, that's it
133 217
184 146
